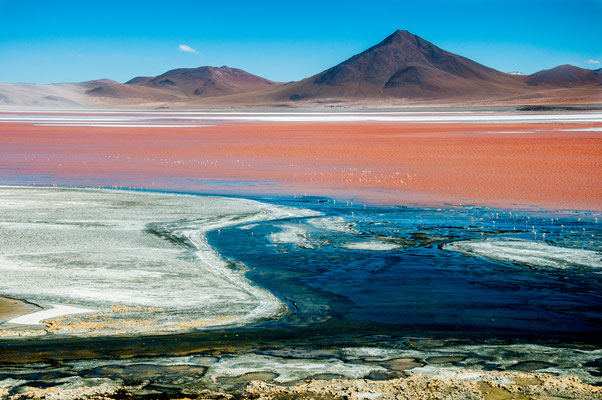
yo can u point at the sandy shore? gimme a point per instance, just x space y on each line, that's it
12 308
555 165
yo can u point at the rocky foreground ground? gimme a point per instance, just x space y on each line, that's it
464 385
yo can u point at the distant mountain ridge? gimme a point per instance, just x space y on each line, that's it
403 67
565 75
205 81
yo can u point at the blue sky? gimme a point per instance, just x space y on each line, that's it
59 41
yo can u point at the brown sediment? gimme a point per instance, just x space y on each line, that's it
12 308
103 324
482 385
118 320
494 385
501 164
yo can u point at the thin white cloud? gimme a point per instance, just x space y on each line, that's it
590 61
187 49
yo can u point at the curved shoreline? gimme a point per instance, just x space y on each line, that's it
266 305
271 305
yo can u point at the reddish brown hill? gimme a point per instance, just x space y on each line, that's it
565 76
205 81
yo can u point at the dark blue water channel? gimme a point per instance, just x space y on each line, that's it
423 288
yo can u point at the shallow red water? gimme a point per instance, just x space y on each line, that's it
536 165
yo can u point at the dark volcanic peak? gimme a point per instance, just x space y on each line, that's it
405 65
565 75
398 52
205 81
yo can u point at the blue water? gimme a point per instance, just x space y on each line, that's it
421 288
422 299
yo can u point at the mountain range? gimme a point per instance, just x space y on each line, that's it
403 69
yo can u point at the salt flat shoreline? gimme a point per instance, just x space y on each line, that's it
77 214
200 119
